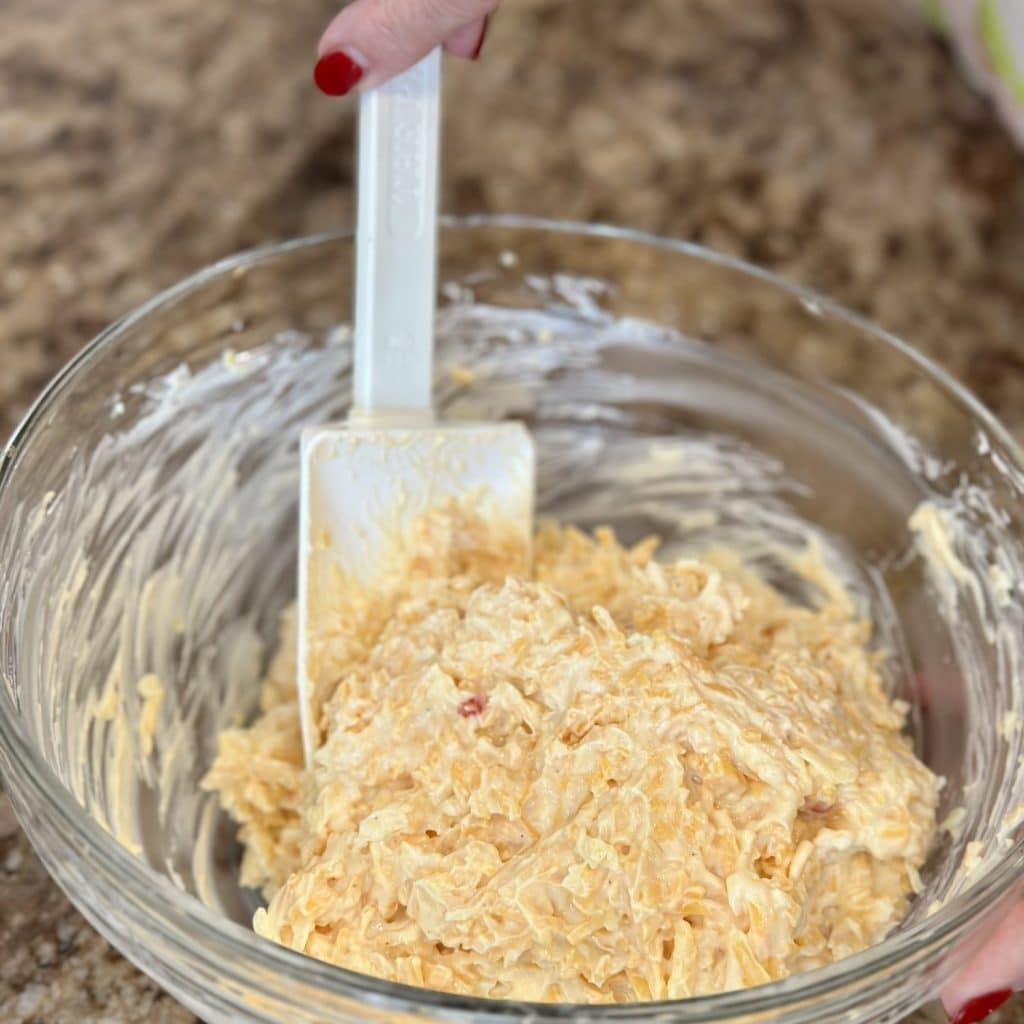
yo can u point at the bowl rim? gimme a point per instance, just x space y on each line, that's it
187 920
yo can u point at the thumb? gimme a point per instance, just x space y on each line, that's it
372 40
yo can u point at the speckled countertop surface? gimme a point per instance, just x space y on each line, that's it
833 140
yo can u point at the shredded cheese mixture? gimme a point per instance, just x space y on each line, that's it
604 779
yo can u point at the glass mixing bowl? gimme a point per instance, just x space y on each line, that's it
147 525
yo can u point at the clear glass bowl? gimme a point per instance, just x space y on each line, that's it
147 525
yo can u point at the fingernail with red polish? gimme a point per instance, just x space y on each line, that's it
979 1008
483 37
336 73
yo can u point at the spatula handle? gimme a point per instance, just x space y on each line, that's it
396 242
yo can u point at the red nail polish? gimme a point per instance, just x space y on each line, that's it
980 1007
336 74
483 37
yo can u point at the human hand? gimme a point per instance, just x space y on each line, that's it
988 980
372 40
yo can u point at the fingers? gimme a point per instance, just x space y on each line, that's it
372 40
987 981
468 41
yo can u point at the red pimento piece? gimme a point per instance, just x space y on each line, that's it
818 806
472 706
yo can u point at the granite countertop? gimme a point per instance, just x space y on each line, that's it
832 140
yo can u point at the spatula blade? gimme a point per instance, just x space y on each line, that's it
363 489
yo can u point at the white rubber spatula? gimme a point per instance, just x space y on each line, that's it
366 482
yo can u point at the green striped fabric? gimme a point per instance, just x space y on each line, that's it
988 36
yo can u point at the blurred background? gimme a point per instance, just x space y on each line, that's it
835 141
